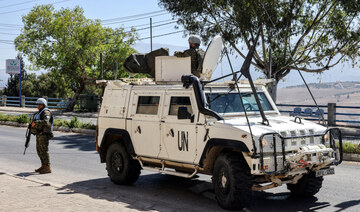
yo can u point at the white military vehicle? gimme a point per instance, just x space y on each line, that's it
182 126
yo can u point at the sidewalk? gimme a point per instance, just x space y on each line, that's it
21 194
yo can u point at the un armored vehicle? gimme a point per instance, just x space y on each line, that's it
181 125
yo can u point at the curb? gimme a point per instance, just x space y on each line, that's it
351 157
55 128
14 124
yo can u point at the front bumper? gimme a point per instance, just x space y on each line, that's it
305 159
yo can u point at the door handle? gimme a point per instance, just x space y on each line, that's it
138 130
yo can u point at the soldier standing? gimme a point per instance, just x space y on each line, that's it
42 128
196 54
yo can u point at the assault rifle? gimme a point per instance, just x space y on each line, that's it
28 135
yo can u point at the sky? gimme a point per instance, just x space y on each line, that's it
115 13
111 11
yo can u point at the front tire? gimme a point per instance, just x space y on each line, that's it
307 186
232 181
121 167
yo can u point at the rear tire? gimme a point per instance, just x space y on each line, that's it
307 186
121 167
232 181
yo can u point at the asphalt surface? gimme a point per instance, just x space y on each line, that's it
77 170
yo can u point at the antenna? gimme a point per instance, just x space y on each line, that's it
245 71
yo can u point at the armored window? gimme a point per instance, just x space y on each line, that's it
148 105
179 101
231 103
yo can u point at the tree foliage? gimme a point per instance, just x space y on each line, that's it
67 44
304 35
46 84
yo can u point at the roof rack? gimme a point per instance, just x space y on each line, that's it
127 81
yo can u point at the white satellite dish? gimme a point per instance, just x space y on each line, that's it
211 57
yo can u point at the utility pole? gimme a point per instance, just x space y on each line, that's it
20 83
151 34
270 64
101 67
115 70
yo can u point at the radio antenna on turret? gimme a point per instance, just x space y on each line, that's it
236 79
245 71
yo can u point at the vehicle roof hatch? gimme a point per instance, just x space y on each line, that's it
211 57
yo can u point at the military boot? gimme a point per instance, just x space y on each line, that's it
39 169
45 170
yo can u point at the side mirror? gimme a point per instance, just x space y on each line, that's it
183 113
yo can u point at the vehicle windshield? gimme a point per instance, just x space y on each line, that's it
231 103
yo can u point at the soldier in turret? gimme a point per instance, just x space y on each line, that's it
42 128
196 54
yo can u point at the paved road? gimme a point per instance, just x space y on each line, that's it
76 168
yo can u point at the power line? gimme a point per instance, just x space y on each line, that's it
135 19
10 25
6 29
14 11
148 24
156 36
152 36
171 22
131 16
4 33
12 5
7 42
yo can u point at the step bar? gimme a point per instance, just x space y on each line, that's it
163 167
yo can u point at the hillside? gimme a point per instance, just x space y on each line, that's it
341 93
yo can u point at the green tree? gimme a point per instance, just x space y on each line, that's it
13 84
68 45
46 84
304 35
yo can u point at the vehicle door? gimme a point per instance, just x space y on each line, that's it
178 135
145 122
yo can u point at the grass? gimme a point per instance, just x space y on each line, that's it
73 123
349 147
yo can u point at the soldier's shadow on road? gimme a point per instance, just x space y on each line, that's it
347 204
26 174
76 141
163 193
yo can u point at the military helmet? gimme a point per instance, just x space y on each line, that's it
195 39
41 101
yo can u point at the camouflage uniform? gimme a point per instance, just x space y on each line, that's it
197 56
43 132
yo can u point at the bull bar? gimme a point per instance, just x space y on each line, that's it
283 138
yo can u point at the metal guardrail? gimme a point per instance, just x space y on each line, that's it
331 112
85 102
57 103
14 101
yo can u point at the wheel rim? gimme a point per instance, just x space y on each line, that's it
223 182
117 162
